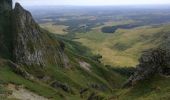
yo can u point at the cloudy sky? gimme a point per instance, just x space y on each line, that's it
91 2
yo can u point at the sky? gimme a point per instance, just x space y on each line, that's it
91 2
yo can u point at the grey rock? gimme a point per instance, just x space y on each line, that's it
62 86
154 61
33 45
16 68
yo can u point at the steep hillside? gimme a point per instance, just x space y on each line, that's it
50 66
33 45
42 66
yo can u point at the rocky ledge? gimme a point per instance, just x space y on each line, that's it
154 61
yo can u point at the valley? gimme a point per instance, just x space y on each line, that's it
119 38
84 53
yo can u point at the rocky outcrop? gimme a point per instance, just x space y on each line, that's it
151 62
5 28
64 87
33 45
19 70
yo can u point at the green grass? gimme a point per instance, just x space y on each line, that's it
121 48
56 29
156 88
75 77
124 47
8 76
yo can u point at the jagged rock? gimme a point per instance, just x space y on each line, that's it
17 69
33 45
97 86
83 90
151 62
46 79
62 86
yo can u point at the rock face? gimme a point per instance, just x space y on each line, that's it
5 5
5 28
24 42
151 62
33 45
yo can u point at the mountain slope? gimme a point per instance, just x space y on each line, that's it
33 45
51 66
55 68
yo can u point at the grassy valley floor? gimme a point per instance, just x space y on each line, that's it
122 48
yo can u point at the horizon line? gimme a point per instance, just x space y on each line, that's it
163 4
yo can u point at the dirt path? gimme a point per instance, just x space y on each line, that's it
23 94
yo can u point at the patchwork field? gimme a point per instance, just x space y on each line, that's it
57 29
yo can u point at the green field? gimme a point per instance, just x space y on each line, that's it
122 48
57 29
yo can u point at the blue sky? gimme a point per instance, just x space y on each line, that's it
92 2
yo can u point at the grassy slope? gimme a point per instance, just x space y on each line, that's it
75 77
122 48
76 51
36 87
157 88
